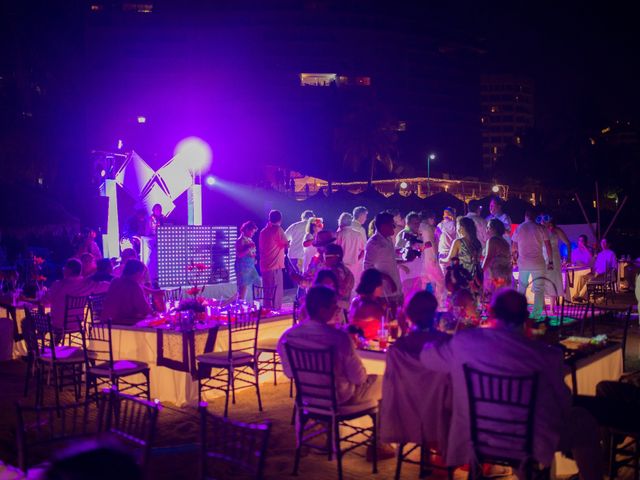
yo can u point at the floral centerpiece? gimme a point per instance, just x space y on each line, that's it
35 279
195 302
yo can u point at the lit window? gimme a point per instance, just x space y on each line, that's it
318 79
518 140
494 109
137 7
363 81
495 150
592 140
97 8
482 119
605 130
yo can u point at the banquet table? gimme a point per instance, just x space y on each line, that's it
14 309
570 279
171 372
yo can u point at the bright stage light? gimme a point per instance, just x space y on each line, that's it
210 180
495 189
120 143
142 119
195 153
403 185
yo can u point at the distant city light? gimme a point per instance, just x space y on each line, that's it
120 144
403 185
495 189
142 119
210 180
103 173
195 153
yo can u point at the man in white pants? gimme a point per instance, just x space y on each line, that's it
526 245
273 243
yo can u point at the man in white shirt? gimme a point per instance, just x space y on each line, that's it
295 234
495 209
126 302
605 262
527 246
353 385
557 425
582 255
447 229
359 219
72 284
475 214
380 253
352 244
272 244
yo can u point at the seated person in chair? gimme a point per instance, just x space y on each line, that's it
505 350
126 302
605 261
417 402
353 385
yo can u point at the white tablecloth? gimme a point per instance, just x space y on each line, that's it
173 386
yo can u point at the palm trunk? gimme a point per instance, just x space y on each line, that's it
373 165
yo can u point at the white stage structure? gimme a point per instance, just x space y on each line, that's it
148 187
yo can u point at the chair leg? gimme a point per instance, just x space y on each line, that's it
424 471
146 376
232 379
329 441
293 415
226 392
336 435
56 384
275 377
399 459
291 388
39 379
374 439
27 378
299 436
199 390
255 374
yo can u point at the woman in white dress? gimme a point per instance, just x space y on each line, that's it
554 288
432 273
314 225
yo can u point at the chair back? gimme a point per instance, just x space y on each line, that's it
501 412
95 305
232 445
131 421
313 374
38 334
74 315
243 324
172 294
264 295
40 428
98 342
580 312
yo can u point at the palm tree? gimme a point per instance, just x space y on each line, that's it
366 136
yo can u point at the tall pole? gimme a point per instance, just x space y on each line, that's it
428 175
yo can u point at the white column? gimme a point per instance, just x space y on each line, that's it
111 239
195 204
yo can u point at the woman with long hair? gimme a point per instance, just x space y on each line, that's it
497 265
368 308
314 225
468 250
245 264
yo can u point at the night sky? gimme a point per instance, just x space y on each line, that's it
222 70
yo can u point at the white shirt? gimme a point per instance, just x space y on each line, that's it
531 238
606 260
380 254
352 243
502 351
447 236
360 229
582 256
348 371
481 227
295 234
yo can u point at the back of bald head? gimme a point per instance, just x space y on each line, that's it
510 307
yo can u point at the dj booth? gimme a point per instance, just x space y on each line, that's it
190 255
